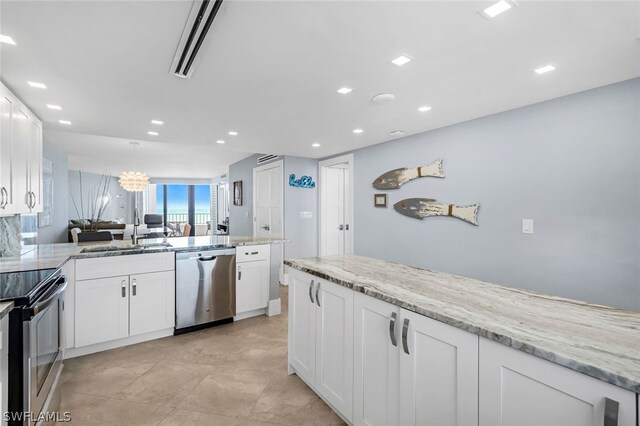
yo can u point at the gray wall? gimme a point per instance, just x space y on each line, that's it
57 232
241 217
299 203
572 164
121 201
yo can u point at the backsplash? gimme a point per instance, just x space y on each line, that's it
10 236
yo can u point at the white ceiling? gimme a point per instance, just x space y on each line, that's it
270 71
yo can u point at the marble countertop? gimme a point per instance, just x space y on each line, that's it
5 308
46 256
598 341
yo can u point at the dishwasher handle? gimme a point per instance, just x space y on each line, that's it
206 259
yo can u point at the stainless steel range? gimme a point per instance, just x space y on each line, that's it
36 343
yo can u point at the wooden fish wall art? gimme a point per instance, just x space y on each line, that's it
419 208
395 178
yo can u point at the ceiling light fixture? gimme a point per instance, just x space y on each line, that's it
56 107
221 142
6 39
383 98
401 60
152 133
344 90
157 122
36 84
65 122
496 9
357 131
233 133
545 69
424 108
134 181
397 133
315 145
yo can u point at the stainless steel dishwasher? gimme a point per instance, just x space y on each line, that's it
205 289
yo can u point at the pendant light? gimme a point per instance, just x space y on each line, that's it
134 181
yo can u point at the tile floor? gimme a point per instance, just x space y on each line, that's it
234 374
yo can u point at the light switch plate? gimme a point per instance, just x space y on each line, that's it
527 226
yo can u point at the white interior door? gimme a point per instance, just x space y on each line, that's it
267 207
336 206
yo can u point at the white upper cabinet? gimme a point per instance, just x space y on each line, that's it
20 157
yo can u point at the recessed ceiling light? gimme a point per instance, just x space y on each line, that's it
344 90
496 9
397 133
56 107
220 142
384 98
424 108
152 133
65 122
36 84
157 122
6 39
401 60
233 133
315 145
357 131
546 68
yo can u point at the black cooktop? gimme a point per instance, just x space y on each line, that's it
21 287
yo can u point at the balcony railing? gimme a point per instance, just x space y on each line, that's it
201 218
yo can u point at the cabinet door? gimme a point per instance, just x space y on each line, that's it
302 325
520 389
102 310
4 367
334 346
35 164
69 335
438 373
376 361
252 286
152 302
6 153
21 132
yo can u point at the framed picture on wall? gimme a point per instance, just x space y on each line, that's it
380 200
46 217
237 193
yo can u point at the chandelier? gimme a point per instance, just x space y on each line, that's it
134 181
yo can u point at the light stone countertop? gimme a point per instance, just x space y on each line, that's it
596 340
5 308
55 255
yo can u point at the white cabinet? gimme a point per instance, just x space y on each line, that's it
252 278
131 302
151 302
523 390
4 366
438 373
321 338
102 310
20 157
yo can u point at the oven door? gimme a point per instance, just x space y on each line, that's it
44 348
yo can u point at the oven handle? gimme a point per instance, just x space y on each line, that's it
41 306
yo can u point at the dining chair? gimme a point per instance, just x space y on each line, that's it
186 231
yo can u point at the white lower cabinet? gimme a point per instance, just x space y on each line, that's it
4 367
412 370
151 302
252 278
522 390
321 338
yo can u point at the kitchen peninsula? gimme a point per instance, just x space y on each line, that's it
403 345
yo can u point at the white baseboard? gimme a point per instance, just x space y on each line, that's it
250 314
275 307
112 344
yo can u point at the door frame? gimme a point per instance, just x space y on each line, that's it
272 165
348 204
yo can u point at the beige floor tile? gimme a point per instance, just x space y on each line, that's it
229 394
106 381
184 417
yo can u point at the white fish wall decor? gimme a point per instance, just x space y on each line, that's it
419 208
395 178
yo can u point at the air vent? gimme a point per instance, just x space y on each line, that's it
203 12
267 158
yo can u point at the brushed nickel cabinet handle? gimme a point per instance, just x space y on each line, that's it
124 288
318 294
392 329
611 409
405 330
239 274
134 286
5 198
311 291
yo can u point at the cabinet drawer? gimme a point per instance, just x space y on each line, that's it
252 253
112 266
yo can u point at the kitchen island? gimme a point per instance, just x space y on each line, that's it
508 345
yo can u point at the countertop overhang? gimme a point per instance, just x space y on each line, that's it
599 341
46 256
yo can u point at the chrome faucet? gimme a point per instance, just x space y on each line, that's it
136 223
